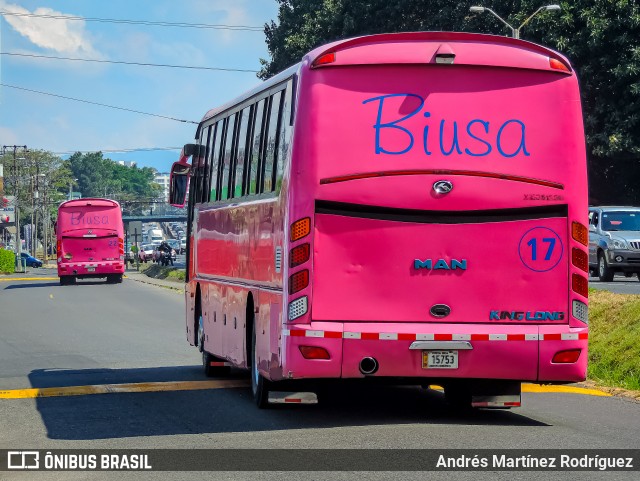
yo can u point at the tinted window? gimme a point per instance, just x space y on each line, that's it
206 183
285 135
201 195
271 145
255 150
226 160
241 152
215 160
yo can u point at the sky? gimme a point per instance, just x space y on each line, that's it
59 125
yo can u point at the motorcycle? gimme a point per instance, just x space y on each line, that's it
166 258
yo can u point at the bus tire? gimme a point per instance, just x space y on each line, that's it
259 385
207 359
118 278
458 396
605 273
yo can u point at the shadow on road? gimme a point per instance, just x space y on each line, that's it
122 415
54 284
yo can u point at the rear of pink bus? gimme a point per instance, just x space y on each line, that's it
90 238
437 219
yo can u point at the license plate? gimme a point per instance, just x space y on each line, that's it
439 359
91 269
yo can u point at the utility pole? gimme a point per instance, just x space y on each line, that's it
16 192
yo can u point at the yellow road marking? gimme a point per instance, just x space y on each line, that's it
540 388
221 384
9 279
121 388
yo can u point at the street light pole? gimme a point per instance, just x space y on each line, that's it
71 182
515 32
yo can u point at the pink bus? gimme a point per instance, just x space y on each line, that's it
90 240
406 206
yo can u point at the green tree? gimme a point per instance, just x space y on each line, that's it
600 37
97 176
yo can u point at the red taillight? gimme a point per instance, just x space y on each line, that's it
580 259
580 285
298 281
299 255
580 233
325 59
314 352
121 245
558 65
566 357
58 247
300 229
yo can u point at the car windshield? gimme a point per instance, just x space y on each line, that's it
621 220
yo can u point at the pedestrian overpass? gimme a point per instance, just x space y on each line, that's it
154 218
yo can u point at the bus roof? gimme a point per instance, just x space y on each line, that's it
89 201
470 49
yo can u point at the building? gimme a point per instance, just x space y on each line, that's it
162 179
127 163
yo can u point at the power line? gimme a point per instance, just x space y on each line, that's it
14 54
97 103
139 22
118 151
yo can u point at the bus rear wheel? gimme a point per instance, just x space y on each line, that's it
67 280
114 279
213 366
259 385
458 396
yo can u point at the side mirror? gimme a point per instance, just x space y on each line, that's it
178 183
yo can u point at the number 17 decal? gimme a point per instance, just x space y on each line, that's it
540 249
534 242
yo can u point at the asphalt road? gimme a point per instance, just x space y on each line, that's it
620 284
96 334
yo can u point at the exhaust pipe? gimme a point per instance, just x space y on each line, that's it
368 366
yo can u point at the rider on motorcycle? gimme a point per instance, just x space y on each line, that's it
165 249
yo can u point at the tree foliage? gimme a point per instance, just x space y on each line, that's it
600 37
35 171
97 176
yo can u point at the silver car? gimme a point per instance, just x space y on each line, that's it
614 241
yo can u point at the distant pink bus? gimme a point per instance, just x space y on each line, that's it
90 240
406 206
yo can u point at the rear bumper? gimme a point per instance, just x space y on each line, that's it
522 352
91 269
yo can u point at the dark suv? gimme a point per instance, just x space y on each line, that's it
614 241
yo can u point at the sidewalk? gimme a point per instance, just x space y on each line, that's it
140 277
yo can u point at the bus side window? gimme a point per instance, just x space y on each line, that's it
271 144
215 160
226 160
200 194
240 153
255 149
206 184
285 134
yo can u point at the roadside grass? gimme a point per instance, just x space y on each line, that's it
614 339
157 271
